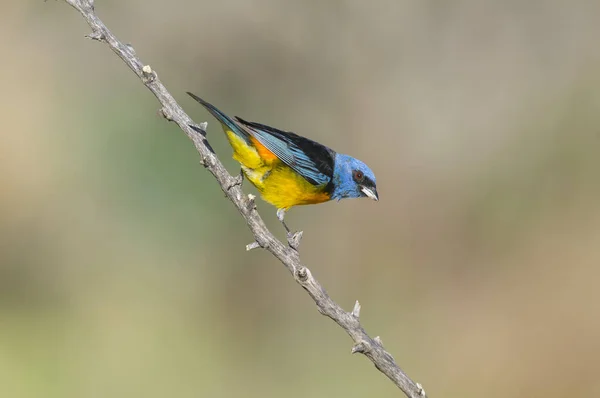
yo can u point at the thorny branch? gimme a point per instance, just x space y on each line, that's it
372 348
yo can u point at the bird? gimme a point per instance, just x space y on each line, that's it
290 170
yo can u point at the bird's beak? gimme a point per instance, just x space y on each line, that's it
370 192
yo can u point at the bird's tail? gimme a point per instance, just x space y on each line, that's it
221 117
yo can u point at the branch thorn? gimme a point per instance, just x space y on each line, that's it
378 340
294 239
359 348
164 112
148 74
252 246
95 35
356 310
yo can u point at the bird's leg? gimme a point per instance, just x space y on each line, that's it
292 238
280 216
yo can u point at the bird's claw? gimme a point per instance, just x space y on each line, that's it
294 239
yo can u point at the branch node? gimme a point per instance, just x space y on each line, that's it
421 390
236 181
378 340
252 246
302 274
148 75
359 348
164 112
294 239
356 310
96 35
251 205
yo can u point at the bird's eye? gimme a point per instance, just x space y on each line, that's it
358 175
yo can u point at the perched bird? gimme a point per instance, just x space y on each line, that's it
290 170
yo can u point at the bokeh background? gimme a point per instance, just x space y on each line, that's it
123 270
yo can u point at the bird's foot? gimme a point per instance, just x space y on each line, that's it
294 239
280 217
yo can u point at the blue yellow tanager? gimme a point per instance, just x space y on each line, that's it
290 170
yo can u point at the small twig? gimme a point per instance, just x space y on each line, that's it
349 321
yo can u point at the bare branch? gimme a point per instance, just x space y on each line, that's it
231 186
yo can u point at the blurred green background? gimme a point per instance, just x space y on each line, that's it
123 270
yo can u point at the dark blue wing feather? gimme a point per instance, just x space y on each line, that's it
308 158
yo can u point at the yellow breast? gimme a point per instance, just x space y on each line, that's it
284 188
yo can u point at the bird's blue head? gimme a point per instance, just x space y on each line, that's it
352 179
